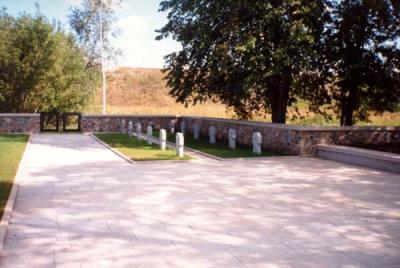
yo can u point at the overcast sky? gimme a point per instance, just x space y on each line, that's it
136 19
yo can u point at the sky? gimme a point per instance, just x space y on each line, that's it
137 21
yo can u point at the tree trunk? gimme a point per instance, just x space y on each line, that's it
279 108
279 98
346 117
347 109
103 71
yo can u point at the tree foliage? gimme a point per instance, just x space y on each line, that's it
41 68
265 55
251 55
90 21
364 54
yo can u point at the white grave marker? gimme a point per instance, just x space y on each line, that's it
196 131
138 131
183 126
212 132
257 142
232 138
130 129
172 126
123 126
163 139
149 133
180 141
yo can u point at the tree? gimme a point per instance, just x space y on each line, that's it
253 56
41 68
364 54
92 24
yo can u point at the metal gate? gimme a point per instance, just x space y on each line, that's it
60 122
50 122
71 122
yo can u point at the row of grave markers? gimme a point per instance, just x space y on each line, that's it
162 137
179 139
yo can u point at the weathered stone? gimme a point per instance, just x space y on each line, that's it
163 139
122 127
19 123
172 126
183 126
196 131
257 142
288 139
232 138
149 132
130 129
212 132
180 141
138 131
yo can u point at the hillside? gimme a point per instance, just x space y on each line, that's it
143 91
137 86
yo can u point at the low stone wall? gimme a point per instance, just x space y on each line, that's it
115 123
289 139
19 123
297 140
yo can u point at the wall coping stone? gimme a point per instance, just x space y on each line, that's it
297 127
19 114
360 152
125 116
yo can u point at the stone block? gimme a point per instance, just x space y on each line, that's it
212 133
180 142
163 139
149 133
232 138
257 142
138 131
130 129
196 131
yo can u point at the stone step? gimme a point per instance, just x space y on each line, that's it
360 157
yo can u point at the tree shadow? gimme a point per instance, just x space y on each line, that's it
5 189
273 211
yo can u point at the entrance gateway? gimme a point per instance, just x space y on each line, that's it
60 122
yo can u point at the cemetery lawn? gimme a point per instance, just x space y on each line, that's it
11 150
220 149
138 150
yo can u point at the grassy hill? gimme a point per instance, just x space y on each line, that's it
143 91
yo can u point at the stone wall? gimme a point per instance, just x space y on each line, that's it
297 140
113 123
19 123
289 139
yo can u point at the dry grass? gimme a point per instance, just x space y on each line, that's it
143 91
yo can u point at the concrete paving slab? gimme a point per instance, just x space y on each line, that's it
81 205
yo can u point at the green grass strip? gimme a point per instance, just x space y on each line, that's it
11 150
138 150
220 148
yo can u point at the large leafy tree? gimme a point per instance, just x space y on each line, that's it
253 56
41 68
93 24
364 52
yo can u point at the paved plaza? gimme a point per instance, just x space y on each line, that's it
81 205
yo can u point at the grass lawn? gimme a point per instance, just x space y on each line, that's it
219 149
138 150
11 150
